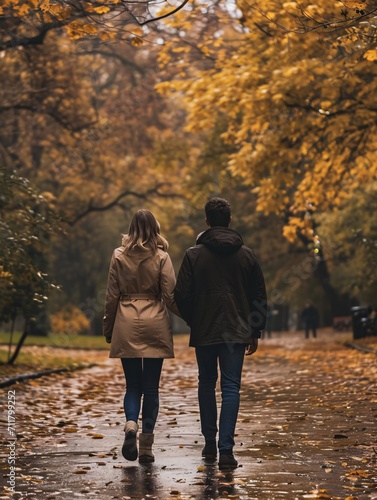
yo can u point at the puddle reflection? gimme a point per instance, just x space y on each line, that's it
141 481
147 482
217 484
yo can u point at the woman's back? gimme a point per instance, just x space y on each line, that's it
139 290
139 270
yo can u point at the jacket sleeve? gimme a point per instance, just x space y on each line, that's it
258 301
111 300
167 283
184 290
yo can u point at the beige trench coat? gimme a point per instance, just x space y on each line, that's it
140 288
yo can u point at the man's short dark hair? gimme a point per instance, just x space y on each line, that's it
217 212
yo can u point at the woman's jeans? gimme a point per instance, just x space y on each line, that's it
230 358
142 379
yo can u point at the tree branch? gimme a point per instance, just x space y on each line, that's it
57 118
165 15
117 201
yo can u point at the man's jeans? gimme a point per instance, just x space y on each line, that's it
142 378
230 358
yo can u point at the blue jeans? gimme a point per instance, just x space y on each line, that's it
230 357
142 380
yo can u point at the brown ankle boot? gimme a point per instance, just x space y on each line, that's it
145 448
129 448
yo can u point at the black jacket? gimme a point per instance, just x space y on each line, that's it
310 316
220 290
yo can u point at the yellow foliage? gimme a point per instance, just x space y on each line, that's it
136 41
371 55
105 35
60 12
103 9
136 30
44 5
78 29
23 9
69 320
298 110
89 29
350 4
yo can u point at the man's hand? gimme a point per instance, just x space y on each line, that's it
252 347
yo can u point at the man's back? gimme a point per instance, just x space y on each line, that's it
220 289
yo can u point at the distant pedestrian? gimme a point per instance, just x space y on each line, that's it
140 288
221 294
310 318
267 332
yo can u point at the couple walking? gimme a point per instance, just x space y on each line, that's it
219 292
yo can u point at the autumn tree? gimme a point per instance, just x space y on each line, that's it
79 118
26 226
298 110
350 237
25 23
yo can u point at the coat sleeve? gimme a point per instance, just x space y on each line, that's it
257 300
167 283
184 290
111 299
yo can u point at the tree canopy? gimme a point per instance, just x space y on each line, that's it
298 109
290 90
27 22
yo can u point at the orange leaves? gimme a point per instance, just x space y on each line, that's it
103 9
371 55
78 29
290 230
350 4
296 109
88 19
136 41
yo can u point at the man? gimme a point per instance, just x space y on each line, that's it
310 318
220 293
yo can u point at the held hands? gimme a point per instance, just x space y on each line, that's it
252 347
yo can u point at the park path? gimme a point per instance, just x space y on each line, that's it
306 429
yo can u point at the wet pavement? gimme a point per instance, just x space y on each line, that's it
306 429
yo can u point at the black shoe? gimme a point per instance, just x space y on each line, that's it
209 451
129 448
227 462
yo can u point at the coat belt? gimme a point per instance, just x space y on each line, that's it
139 296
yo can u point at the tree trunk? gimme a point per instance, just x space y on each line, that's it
337 304
11 337
20 343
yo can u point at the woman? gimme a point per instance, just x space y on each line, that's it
139 290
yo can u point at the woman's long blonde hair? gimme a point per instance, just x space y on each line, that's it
144 233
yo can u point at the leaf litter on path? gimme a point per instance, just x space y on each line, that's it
297 399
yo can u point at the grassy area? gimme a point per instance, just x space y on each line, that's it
61 341
33 361
45 353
